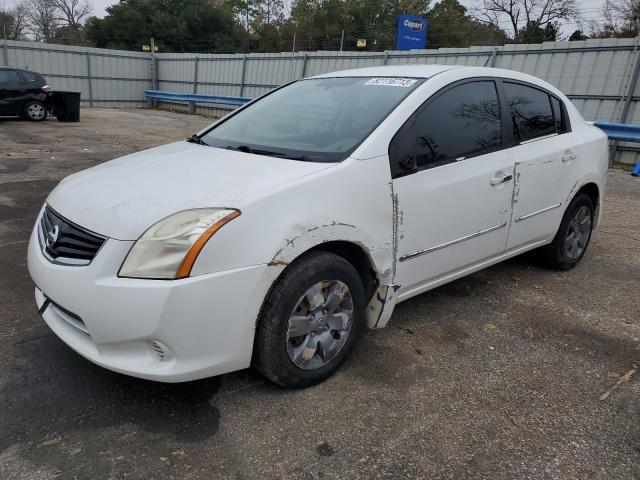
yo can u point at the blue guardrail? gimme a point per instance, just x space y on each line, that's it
622 132
195 98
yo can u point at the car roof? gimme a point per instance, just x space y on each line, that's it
6 67
414 71
428 71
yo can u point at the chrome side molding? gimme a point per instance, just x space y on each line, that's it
452 242
533 214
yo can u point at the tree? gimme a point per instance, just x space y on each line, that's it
621 19
43 20
578 35
451 26
20 14
13 22
72 13
176 26
6 23
526 16
533 32
318 24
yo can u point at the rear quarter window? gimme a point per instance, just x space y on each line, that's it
32 78
559 116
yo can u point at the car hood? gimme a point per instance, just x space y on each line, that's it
122 198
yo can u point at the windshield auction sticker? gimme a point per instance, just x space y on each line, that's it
391 82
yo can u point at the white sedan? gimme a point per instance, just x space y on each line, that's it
274 236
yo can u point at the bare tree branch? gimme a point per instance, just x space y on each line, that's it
520 13
42 19
72 13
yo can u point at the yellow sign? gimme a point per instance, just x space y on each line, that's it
147 48
361 43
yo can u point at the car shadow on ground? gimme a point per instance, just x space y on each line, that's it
52 388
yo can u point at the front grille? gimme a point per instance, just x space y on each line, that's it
65 242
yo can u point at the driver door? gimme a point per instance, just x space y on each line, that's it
453 184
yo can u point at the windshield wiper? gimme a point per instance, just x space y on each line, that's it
269 153
248 149
302 158
196 139
241 148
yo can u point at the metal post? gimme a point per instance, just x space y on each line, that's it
243 75
156 84
154 65
631 90
494 57
627 100
342 39
195 75
293 53
89 79
6 47
385 60
153 73
304 66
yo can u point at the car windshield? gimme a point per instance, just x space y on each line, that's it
318 120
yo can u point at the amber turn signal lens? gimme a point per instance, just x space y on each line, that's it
190 258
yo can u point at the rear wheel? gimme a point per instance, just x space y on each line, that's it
310 320
35 111
571 241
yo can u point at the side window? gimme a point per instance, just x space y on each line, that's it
558 115
530 111
29 78
8 79
463 121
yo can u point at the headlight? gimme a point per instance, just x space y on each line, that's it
169 248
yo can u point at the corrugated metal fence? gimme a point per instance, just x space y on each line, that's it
600 76
106 78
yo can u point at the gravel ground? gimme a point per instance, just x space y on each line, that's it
494 376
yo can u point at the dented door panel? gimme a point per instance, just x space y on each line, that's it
452 216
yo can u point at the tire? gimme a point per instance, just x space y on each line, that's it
293 360
564 253
35 111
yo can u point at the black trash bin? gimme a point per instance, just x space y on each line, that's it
65 106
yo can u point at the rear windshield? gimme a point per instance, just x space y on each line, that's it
321 120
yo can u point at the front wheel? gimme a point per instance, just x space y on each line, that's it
571 241
35 111
310 320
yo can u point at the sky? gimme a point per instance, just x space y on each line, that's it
591 10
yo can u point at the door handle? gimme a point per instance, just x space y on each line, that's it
568 157
497 180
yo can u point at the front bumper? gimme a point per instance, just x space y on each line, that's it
165 330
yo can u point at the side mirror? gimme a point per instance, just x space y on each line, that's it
408 162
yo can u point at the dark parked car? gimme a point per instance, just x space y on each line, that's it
23 93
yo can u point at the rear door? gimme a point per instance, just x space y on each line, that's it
452 183
9 86
545 162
